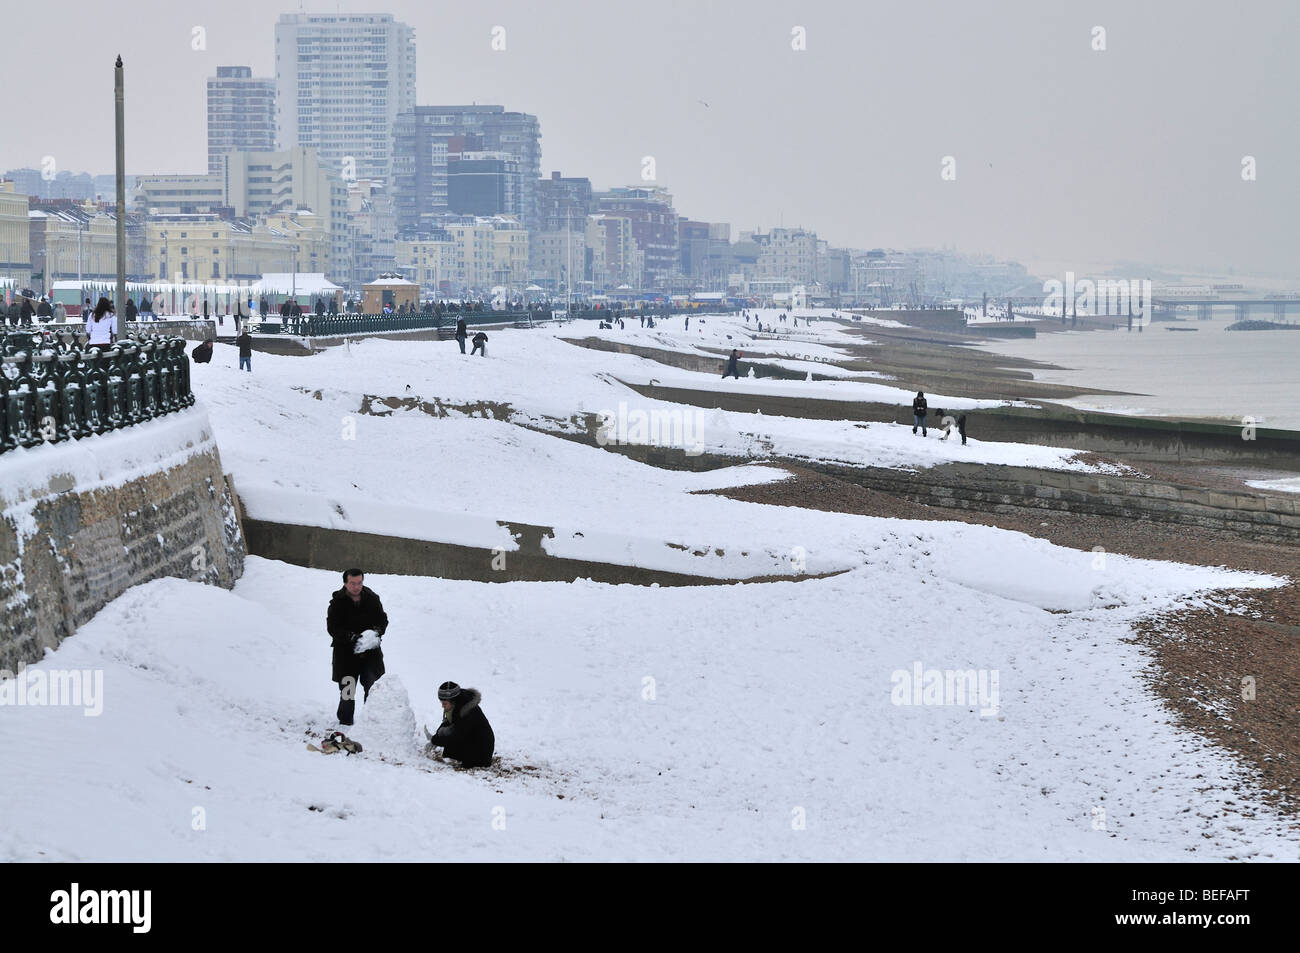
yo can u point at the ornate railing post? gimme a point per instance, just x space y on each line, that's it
130 358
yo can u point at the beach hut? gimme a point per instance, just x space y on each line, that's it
389 289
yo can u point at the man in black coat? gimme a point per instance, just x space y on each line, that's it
202 353
465 734
245 344
356 622
480 345
461 333
732 367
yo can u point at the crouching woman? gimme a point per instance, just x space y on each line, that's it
465 734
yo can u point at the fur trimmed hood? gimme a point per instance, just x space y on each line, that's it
466 701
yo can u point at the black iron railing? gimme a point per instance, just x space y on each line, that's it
55 388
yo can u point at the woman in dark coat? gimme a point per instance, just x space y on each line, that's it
465 734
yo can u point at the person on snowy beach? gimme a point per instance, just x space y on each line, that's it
356 623
465 734
480 345
461 333
245 344
732 367
919 411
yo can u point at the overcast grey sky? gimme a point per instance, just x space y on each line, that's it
1062 153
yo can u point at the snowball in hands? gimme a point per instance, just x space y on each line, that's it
366 641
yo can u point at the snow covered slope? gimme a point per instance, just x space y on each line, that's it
634 723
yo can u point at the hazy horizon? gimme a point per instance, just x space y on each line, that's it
1062 153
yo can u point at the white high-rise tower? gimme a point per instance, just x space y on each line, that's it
340 81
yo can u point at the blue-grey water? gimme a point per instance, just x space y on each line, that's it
1209 373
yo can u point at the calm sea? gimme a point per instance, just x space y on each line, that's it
1208 373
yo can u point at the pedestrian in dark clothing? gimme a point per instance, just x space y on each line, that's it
461 334
919 411
245 344
202 353
263 307
961 428
26 311
480 345
205 309
131 310
44 311
356 623
16 312
732 367
284 308
465 734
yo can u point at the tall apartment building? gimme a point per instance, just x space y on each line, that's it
654 228
484 183
563 203
425 136
341 80
241 113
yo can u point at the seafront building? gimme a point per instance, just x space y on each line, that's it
424 139
241 114
341 81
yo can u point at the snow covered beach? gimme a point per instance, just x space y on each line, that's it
784 720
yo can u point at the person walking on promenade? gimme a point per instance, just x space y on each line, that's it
101 325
